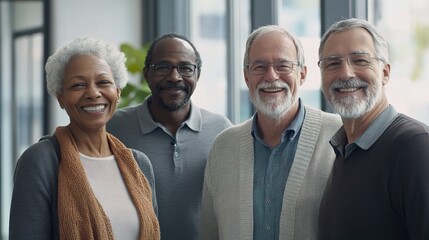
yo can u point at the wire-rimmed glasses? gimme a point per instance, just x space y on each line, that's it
355 60
280 67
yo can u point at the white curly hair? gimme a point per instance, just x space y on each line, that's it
105 50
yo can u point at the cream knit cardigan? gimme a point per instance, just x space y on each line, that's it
227 205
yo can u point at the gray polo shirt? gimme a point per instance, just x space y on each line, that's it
178 162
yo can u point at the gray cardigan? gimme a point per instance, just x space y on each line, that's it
227 207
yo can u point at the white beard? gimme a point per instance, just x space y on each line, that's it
273 107
351 106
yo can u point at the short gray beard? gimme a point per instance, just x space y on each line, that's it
273 108
351 107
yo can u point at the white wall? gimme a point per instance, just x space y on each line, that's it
115 20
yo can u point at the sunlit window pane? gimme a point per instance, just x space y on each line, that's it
208 35
405 25
302 18
28 91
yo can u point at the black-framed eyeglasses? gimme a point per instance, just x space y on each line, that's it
280 67
184 69
355 60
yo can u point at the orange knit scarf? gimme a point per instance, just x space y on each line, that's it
80 214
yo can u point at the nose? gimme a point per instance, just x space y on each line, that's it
271 74
92 92
174 74
346 70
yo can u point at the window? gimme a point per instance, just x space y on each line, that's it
302 18
22 88
408 41
27 89
208 34
219 30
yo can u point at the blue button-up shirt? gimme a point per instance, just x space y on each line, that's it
271 171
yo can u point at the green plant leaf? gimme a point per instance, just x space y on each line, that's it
132 93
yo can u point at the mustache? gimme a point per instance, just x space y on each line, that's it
274 84
172 85
349 83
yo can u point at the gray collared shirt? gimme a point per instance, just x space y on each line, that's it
365 141
271 171
178 162
193 123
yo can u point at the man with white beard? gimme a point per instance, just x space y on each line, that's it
379 184
264 178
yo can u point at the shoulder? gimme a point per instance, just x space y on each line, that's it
124 119
409 125
126 112
326 116
212 117
327 120
141 157
405 130
40 150
233 133
39 160
143 161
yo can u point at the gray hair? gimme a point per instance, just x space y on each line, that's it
381 48
55 66
269 29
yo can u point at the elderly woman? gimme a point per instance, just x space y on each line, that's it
83 183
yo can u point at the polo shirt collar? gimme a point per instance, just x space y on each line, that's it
147 125
368 138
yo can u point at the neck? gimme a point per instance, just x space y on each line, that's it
91 143
171 120
355 127
271 129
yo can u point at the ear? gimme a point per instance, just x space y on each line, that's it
198 73
246 79
119 92
386 74
302 74
146 73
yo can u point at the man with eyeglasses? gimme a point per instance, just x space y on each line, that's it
379 184
173 132
265 177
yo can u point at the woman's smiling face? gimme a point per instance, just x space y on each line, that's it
89 94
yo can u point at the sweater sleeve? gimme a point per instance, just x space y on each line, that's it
33 207
147 169
209 228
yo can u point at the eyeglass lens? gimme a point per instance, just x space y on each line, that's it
260 67
357 60
185 70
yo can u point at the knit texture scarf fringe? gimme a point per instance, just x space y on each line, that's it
80 214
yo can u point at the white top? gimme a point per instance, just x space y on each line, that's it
111 192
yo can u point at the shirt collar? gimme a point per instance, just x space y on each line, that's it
377 127
147 124
368 138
